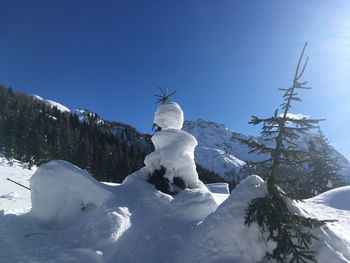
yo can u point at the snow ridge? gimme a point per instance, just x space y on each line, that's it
52 103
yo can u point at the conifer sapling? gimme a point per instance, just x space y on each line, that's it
290 231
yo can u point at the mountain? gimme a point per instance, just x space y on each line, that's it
220 150
121 130
118 129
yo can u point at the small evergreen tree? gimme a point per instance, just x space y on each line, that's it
271 213
322 166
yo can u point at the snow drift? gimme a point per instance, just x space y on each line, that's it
60 192
223 236
338 198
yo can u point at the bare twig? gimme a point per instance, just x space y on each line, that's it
18 183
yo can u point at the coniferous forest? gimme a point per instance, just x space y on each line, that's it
33 132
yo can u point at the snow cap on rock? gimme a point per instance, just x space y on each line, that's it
169 115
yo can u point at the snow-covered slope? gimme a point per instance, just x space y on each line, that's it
13 198
85 116
335 205
52 104
220 150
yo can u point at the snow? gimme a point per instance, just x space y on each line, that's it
337 198
333 204
174 148
220 191
134 222
52 104
219 188
13 198
54 207
169 115
223 237
84 115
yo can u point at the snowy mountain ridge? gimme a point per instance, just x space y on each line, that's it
123 131
220 149
51 103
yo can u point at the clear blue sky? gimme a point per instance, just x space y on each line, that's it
226 58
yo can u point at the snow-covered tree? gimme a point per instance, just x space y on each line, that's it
291 232
171 165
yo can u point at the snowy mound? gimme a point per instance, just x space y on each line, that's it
338 198
60 192
223 236
169 115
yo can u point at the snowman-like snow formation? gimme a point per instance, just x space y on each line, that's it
171 166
